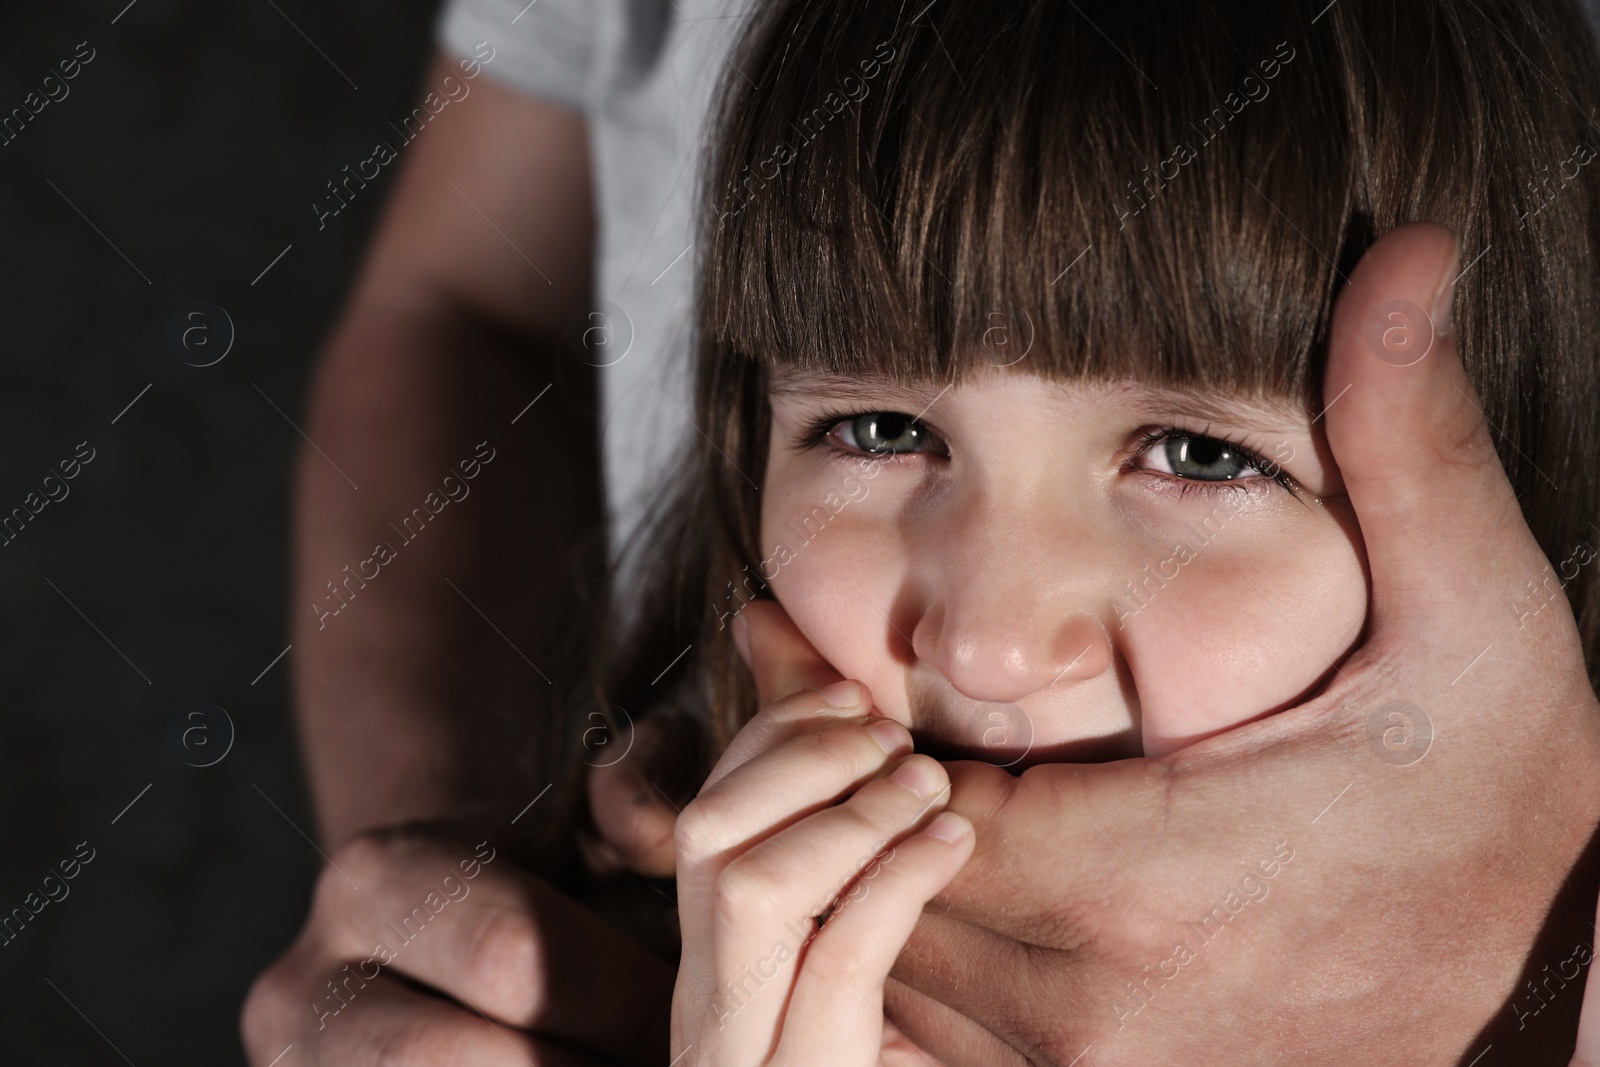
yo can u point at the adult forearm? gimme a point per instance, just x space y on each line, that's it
422 609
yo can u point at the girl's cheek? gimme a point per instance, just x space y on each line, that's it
1245 629
840 587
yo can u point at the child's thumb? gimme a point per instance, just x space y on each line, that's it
777 653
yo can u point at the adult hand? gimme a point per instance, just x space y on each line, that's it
1369 877
488 968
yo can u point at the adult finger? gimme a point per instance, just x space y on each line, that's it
502 941
381 1022
1405 425
777 653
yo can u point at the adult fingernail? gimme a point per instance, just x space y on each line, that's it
890 735
948 827
1445 296
741 637
840 694
919 776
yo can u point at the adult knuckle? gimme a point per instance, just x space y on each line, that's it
265 1014
415 1044
502 950
364 859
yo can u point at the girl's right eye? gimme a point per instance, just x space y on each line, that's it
885 433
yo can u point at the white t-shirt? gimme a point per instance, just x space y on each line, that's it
642 72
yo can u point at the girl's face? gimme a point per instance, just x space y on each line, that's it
1024 570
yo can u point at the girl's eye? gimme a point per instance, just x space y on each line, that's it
1200 458
885 433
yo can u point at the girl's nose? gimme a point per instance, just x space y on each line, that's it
999 642
1010 602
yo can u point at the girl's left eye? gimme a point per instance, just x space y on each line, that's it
1197 457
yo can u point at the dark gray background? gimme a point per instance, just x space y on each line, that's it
196 140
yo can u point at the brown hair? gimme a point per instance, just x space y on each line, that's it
1169 190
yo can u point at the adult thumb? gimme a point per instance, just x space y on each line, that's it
1436 510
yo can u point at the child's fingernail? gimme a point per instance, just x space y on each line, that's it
741 637
890 735
840 694
948 827
918 776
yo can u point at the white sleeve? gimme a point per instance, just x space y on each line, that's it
545 48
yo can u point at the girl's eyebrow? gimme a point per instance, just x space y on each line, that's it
864 386
1270 411
1267 410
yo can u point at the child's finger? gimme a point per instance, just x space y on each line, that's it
835 1014
788 717
635 822
802 775
765 902
804 765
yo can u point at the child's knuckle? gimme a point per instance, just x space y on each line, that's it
840 963
702 831
746 895
867 819
793 708
846 748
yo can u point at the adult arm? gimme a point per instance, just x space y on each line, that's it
453 326
483 252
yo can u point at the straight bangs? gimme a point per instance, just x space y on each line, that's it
1096 189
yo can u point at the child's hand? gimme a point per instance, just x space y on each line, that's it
817 804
